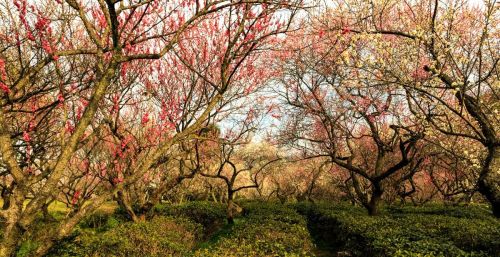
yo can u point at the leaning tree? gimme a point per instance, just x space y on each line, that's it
80 83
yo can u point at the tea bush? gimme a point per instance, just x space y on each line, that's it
406 231
102 221
265 230
208 214
160 236
275 229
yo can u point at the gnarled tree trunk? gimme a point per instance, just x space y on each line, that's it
230 207
12 231
124 202
489 181
374 203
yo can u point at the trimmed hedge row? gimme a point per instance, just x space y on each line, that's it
265 230
273 229
160 236
173 231
406 231
210 215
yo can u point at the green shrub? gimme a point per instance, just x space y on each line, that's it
26 248
210 215
467 211
266 230
406 231
101 221
161 236
274 211
275 229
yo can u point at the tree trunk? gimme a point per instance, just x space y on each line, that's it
6 198
124 202
46 214
489 181
11 230
373 204
47 241
360 193
230 208
10 239
214 198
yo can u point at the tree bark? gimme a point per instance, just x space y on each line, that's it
10 238
124 202
46 214
47 241
489 181
6 198
214 198
374 203
11 230
230 208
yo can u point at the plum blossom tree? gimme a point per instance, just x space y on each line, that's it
223 50
340 112
445 55
237 162
86 105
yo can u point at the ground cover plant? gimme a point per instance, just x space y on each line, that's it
263 230
433 230
294 229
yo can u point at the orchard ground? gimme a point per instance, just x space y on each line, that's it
147 102
275 229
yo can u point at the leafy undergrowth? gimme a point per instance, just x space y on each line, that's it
160 236
303 229
198 229
264 230
211 216
433 230
174 230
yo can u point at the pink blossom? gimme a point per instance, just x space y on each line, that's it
69 127
30 36
26 137
41 23
321 33
117 180
76 195
145 118
3 74
46 46
4 88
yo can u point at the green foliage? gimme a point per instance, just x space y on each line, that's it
208 214
274 229
265 230
26 248
407 231
101 221
161 236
